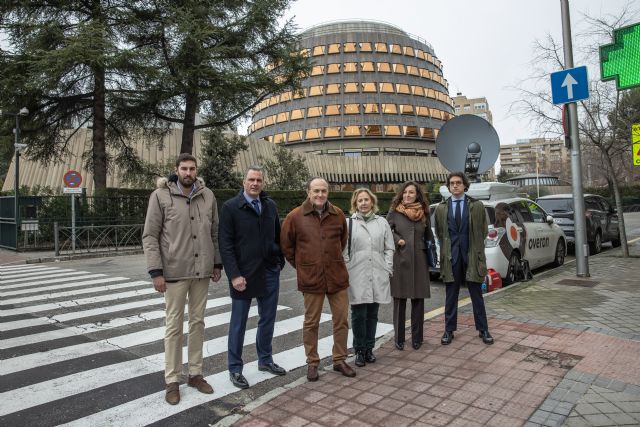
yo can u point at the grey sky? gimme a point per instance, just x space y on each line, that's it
485 46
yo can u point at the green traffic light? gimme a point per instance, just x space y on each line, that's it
621 59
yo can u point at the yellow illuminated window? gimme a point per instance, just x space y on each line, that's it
312 133
399 68
427 133
386 88
350 67
314 112
422 111
333 68
365 47
389 109
268 138
395 48
296 135
406 109
403 88
318 50
408 131
352 130
413 70
316 90
286 96
384 67
371 108
350 47
420 53
333 88
367 66
332 110
297 114
317 70
279 138
424 73
300 93
429 57
259 124
436 132
352 108
369 87
350 87
332 132
269 120
431 93
436 114
417 90
408 50
282 117
392 130
334 48
373 130
381 47
303 53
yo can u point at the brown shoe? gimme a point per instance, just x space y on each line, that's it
173 393
344 369
199 383
312 373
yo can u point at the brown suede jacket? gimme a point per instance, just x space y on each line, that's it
313 245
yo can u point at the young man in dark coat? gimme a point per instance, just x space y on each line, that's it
249 240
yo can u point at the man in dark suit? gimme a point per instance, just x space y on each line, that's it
249 240
461 228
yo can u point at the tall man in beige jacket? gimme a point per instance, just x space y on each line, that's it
180 242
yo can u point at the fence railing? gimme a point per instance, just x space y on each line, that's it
97 238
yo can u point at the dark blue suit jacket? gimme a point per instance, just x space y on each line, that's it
249 243
459 237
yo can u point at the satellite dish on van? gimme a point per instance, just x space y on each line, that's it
468 143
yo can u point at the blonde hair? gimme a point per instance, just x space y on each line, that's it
354 199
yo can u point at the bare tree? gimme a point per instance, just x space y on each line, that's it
597 115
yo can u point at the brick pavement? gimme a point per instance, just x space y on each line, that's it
565 354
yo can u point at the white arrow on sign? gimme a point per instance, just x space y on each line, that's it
568 82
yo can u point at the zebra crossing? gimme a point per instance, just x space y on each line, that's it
85 349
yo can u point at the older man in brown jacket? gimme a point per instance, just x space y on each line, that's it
312 239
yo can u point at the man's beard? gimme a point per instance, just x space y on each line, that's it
186 181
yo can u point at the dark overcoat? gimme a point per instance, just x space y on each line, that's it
249 243
410 270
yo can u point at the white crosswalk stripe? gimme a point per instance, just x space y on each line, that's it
62 348
7 278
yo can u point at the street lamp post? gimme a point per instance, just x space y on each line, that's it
18 147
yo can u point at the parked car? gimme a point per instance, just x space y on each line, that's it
518 229
601 219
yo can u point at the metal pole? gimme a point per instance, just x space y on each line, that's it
582 252
73 223
56 238
16 181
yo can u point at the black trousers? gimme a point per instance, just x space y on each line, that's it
451 300
417 319
364 320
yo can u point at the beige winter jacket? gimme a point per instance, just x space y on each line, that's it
180 235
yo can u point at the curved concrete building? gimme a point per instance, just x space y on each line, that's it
374 90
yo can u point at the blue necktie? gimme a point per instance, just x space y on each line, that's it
256 206
458 213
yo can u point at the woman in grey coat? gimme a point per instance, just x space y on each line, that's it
410 224
369 258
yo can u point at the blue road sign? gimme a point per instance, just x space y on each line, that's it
569 85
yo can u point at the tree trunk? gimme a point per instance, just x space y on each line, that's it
99 153
616 194
190 111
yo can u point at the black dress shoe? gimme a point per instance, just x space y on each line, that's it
416 345
273 368
369 357
486 337
360 362
238 380
400 345
447 337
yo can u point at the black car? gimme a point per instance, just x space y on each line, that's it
601 219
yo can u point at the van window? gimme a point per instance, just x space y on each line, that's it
523 211
537 213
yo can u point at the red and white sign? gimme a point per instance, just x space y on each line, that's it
72 179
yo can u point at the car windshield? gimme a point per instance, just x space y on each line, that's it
556 205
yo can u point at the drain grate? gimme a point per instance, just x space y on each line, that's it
547 357
577 282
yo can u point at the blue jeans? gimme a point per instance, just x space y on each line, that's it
267 308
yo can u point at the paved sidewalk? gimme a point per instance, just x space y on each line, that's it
566 353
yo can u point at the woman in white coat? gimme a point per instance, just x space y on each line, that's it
369 258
